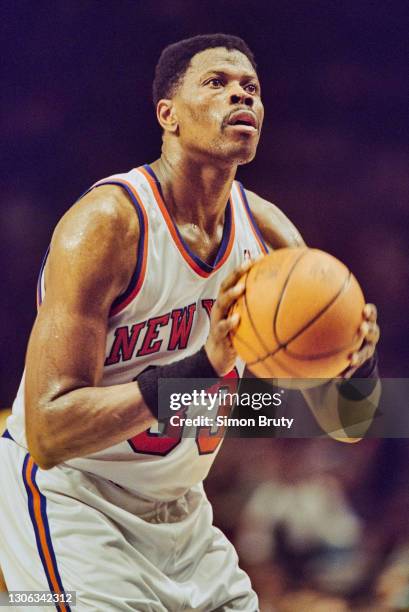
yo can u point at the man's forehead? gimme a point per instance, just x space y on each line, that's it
219 58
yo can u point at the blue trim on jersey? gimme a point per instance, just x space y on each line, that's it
226 235
141 245
43 511
33 521
253 221
6 434
225 238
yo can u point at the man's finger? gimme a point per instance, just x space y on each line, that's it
226 326
227 299
359 357
369 332
363 329
370 312
232 278
373 333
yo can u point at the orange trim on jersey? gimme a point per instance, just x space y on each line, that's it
176 237
39 523
251 220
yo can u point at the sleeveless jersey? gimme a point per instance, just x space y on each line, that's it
163 316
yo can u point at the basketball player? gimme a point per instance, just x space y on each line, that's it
137 286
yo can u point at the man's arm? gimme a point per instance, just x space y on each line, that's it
337 414
91 260
276 228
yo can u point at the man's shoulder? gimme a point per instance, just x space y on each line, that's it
105 200
97 236
275 226
105 209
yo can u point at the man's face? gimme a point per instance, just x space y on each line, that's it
218 106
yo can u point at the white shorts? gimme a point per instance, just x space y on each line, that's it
65 530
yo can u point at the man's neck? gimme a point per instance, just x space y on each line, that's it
194 192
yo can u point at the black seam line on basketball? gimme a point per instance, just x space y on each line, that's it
282 366
249 314
279 345
280 299
307 325
241 340
309 358
321 312
248 309
320 355
269 354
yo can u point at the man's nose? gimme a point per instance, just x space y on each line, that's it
240 96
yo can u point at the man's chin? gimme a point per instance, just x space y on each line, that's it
238 153
243 155
241 152
246 159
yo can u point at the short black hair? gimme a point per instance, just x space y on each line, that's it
175 60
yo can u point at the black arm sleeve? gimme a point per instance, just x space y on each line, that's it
195 366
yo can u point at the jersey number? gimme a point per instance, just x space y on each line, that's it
168 436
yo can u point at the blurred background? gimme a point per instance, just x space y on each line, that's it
319 525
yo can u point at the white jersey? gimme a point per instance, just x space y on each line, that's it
163 316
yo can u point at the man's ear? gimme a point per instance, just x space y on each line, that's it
166 114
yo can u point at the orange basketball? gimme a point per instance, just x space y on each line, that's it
299 316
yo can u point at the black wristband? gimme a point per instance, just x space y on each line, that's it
362 382
195 366
369 369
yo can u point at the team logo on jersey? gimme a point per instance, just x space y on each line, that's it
170 330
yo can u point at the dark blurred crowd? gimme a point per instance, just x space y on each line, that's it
319 525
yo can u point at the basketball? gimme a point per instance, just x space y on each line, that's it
299 315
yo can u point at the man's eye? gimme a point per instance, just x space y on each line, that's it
215 82
251 88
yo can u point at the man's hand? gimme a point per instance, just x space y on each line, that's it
344 419
219 347
370 334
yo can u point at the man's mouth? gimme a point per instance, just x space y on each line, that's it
244 121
